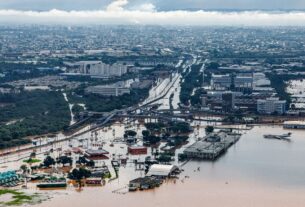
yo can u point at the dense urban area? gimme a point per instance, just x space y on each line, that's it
78 103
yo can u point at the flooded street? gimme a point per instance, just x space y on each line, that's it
255 171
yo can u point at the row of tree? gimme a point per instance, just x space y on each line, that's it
31 113
192 80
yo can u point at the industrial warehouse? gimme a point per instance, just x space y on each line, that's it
211 146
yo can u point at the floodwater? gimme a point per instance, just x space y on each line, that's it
255 172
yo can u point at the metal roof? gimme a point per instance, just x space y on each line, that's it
161 170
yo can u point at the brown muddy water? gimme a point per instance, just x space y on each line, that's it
255 172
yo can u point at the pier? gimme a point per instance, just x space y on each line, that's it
212 146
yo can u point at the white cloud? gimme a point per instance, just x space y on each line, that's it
115 13
117 5
149 7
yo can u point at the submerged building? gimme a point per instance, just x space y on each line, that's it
211 146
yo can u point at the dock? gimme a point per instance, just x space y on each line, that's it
212 146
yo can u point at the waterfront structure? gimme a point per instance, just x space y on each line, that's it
53 183
144 183
211 146
294 125
160 170
271 105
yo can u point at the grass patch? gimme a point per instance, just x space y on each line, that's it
31 161
18 198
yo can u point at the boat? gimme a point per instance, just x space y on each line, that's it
53 183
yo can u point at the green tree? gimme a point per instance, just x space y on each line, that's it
24 170
33 155
145 133
64 160
209 129
130 133
79 174
48 161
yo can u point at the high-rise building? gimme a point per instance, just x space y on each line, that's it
271 105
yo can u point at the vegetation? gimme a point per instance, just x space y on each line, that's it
130 133
18 198
279 82
76 110
196 98
209 129
212 66
179 127
192 80
83 161
145 133
64 160
31 161
20 71
155 126
154 130
171 127
177 140
48 161
100 103
152 139
24 169
165 157
31 113
182 157
79 174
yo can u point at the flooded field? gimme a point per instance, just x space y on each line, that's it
254 172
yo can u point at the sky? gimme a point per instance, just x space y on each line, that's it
159 12
161 5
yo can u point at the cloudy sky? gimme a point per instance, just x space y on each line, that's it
161 12
161 5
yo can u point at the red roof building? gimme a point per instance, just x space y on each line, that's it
137 150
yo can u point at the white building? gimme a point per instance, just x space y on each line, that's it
271 105
117 89
108 90
162 170
294 125
221 81
259 79
97 68
243 83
